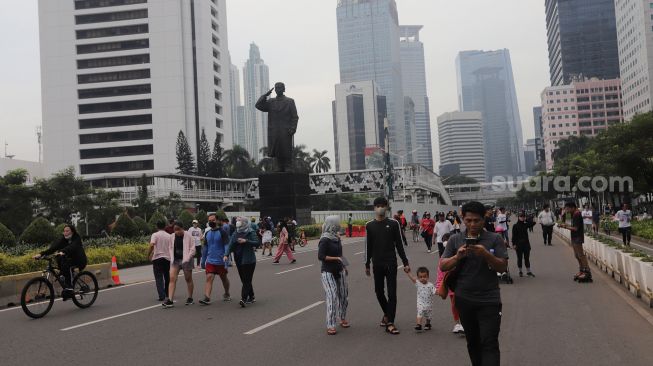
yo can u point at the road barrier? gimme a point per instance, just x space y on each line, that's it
630 271
11 286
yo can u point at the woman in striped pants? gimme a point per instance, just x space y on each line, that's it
334 274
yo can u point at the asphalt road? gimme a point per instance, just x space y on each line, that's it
547 320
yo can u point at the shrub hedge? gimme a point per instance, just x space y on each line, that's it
143 226
40 231
7 238
186 218
156 217
125 227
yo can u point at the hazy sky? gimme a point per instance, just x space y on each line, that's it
298 41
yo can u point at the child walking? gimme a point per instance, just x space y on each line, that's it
457 328
425 294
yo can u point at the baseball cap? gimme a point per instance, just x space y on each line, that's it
195 222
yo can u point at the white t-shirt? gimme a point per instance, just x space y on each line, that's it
425 295
502 222
546 218
624 218
196 233
162 242
441 228
587 217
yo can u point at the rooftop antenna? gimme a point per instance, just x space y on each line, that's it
39 135
7 155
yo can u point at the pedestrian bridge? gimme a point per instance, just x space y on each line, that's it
412 183
483 192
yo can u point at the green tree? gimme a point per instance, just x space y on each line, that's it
266 164
7 238
103 212
186 218
143 203
156 217
216 169
321 162
204 157
170 205
63 195
16 201
125 227
301 159
238 163
185 159
202 218
143 227
40 232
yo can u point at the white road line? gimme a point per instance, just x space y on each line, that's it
295 269
277 321
359 253
109 318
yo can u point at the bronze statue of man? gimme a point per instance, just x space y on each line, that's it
282 124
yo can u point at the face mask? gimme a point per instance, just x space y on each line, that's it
212 225
380 211
239 224
68 236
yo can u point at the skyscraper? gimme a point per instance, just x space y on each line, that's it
358 116
368 46
635 34
256 79
121 78
238 125
486 85
413 73
582 37
461 144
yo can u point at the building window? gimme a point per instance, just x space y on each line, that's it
113 46
99 138
218 123
214 12
113 31
90 4
214 26
115 91
118 151
216 68
218 109
215 40
218 95
216 54
217 81
134 120
125 105
111 17
113 76
124 166
113 61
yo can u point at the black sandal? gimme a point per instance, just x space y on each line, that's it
390 328
384 322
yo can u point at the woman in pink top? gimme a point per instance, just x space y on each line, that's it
284 247
458 328
182 252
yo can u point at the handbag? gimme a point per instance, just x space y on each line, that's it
448 283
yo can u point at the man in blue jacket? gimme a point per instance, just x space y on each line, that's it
212 259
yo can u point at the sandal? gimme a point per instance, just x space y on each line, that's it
331 331
384 322
345 324
390 328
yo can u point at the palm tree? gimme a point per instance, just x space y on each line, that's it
321 163
238 163
301 159
267 163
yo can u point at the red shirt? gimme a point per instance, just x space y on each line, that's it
428 225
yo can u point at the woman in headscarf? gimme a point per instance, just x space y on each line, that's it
334 274
242 244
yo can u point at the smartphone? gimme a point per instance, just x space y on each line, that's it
470 241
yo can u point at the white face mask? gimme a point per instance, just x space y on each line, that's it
239 223
68 236
380 211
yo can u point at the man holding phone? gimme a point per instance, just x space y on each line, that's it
382 244
477 255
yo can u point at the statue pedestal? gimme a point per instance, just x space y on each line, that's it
285 194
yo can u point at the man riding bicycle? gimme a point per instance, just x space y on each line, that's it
70 253
414 220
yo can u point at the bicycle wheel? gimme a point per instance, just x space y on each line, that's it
85 289
37 297
415 236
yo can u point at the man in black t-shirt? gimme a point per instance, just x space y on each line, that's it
577 238
477 255
382 244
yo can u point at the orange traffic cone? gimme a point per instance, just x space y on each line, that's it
114 271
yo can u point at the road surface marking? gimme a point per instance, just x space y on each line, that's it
295 269
359 253
109 318
285 317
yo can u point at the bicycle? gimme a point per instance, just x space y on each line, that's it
415 229
37 297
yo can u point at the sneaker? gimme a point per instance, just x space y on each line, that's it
530 274
189 301
418 327
226 297
241 303
67 294
293 261
205 301
168 304
275 262
270 255
428 251
458 328
161 299
251 300
427 326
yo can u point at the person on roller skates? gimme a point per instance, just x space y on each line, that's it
577 239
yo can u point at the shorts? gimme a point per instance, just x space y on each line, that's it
218 269
188 266
425 313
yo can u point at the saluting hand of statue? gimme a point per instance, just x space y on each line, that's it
269 92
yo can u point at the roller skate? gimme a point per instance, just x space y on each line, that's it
585 276
577 275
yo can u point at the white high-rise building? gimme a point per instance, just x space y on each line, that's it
635 37
238 125
256 80
358 116
121 78
461 145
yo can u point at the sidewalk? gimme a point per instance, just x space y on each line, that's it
144 273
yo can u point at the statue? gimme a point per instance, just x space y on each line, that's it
282 125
